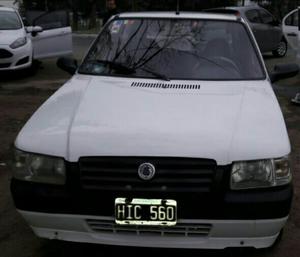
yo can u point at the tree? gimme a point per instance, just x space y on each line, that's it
88 9
279 7
169 5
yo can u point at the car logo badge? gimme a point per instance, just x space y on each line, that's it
146 171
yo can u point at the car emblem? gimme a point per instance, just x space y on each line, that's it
146 171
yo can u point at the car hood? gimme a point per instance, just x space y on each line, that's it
7 37
102 116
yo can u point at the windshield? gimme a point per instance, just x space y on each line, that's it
174 49
9 21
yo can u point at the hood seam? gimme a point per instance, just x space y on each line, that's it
229 156
73 118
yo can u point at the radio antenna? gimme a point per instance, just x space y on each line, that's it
178 7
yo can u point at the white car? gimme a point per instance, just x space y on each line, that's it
169 134
291 28
19 45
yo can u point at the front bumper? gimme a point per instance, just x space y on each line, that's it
21 57
214 221
220 234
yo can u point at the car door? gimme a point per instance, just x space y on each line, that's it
257 27
272 30
56 38
291 28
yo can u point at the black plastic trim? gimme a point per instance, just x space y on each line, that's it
221 203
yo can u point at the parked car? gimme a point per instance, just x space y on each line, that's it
265 27
49 36
169 134
291 28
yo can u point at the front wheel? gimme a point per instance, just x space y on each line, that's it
35 66
281 49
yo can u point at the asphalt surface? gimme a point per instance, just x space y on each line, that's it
22 93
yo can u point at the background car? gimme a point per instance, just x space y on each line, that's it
291 27
49 35
265 27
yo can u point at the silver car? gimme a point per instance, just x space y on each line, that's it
266 28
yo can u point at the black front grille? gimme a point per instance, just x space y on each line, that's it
23 61
184 228
174 175
5 54
4 65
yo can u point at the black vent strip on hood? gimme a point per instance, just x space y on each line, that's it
165 86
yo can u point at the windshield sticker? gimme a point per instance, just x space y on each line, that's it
116 27
129 22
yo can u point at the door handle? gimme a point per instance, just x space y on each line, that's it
292 34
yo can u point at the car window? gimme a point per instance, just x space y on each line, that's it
52 20
266 17
32 15
292 20
177 48
253 16
9 21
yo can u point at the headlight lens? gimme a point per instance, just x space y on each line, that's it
282 171
260 174
19 42
39 168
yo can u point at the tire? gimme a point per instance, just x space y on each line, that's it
33 69
281 49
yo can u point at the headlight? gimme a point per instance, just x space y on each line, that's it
19 42
39 168
260 174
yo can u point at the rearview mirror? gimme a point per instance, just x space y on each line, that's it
67 64
284 71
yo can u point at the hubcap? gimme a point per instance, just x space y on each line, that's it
281 50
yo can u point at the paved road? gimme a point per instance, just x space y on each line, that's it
21 94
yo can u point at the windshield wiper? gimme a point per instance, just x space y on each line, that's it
155 73
124 69
120 67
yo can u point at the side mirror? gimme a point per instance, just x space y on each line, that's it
284 71
67 64
34 30
29 29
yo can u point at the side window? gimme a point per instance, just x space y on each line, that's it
52 20
253 16
32 15
266 17
292 20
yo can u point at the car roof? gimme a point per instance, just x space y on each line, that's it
8 9
244 8
181 15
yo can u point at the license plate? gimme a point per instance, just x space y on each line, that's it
147 212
